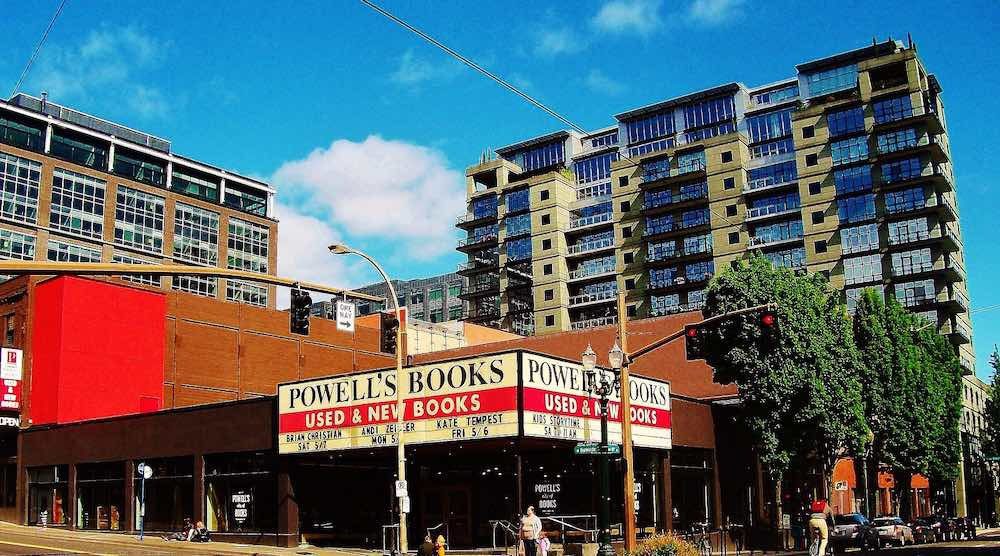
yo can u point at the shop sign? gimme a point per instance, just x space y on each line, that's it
557 404
13 421
11 363
547 495
10 394
455 400
241 502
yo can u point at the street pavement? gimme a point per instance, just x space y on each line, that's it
20 540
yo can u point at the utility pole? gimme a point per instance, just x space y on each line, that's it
628 521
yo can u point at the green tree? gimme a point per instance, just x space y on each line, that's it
801 395
911 388
991 440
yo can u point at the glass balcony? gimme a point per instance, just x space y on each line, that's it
585 272
594 322
589 298
587 221
590 246
680 280
768 211
477 240
767 241
763 184
600 191
657 199
659 255
674 309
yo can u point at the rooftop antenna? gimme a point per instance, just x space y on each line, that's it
874 40
45 100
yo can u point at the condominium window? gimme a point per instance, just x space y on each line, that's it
68 253
709 112
661 250
698 271
196 234
664 304
831 80
517 200
248 246
915 293
710 131
435 294
659 224
437 315
650 127
897 140
859 239
931 317
77 204
139 219
594 168
773 174
853 179
246 199
598 265
867 268
542 156
849 150
698 244
199 285
906 231
912 262
147 279
856 209
19 178
776 95
519 249
483 233
195 186
901 170
694 217
788 258
15 245
904 200
454 313
485 206
770 126
853 295
690 162
652 146
607 139
662 277
245 292
775 203
892 109
851 120
134 168
517 225
696 298
779 231
656 169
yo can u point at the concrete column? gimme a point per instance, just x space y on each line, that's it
128 505
48 138
111 155
170 175
222 190
288 508
199 488
69 505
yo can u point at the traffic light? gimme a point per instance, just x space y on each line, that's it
389 327
299 312
694 341
768 330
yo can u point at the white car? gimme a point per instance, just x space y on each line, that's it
892 530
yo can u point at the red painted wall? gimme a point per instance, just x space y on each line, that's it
97 351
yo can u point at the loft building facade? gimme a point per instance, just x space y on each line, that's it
435 299
76 188
844 169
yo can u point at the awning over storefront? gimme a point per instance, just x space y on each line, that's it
509 394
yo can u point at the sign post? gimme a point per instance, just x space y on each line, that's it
145 472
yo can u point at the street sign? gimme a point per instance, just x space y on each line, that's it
404 504
400 489
11 363
345 316
594 449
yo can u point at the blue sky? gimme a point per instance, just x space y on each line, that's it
350 115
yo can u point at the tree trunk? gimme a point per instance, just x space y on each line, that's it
902 493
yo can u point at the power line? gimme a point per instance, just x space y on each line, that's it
38 47
474 66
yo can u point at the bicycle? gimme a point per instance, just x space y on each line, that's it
700 539
816 541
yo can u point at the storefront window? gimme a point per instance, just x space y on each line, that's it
100 496
240 493
48 491
692 487
169 494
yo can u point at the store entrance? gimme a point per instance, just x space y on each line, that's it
447 511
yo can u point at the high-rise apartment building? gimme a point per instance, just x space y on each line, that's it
78 188
434 299
843 169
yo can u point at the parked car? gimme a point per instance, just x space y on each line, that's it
892 530
853 531
926 530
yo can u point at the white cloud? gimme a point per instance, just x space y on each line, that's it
554 41
391 191
714 12
598 82
110 64
414 70
628 16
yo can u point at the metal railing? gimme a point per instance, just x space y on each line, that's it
758 242
600 190
771 210
591 323
482 238
665 255
588 246
680 280
592 297
588 272
585 221
674 309
652 200
770 182
909 237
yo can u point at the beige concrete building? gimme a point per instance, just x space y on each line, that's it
843 169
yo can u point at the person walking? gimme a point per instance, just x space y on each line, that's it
531 528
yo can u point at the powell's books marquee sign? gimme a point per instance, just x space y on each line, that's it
465 399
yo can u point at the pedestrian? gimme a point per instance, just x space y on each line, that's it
427 547
531 527
439 546
821 519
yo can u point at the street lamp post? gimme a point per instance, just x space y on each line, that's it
340 249
603 389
